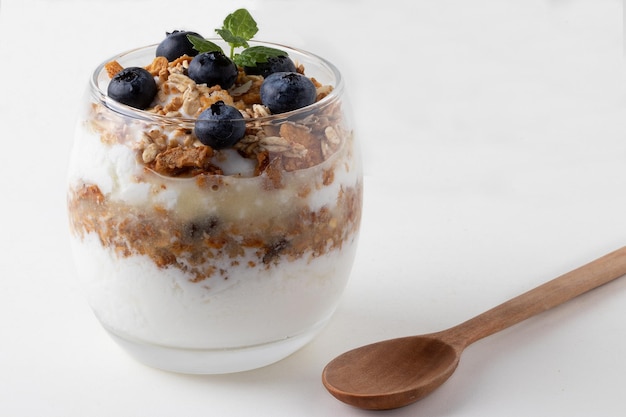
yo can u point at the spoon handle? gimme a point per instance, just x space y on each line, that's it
542 298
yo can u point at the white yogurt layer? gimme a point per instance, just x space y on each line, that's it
133 297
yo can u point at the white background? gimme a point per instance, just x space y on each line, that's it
493 133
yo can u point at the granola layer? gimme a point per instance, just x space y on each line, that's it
193 245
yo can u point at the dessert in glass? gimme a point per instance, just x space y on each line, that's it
209 252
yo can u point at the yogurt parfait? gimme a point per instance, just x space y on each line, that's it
214 197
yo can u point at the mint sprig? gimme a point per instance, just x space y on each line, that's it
238 28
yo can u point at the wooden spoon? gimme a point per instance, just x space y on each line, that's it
398 372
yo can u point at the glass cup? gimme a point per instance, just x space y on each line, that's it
208 261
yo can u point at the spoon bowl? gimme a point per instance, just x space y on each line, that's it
398 372
378 377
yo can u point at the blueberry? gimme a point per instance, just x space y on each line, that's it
220 126
176 45
273 64
213 68
133 86
196 229
285 91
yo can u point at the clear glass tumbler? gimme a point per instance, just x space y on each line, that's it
204 261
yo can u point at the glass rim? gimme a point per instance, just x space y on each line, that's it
143 115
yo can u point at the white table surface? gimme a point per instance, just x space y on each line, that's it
493 133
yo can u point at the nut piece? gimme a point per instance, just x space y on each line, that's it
159 67
113 68
181 160
278 144
149 154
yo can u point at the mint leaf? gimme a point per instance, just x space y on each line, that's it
254 55
233 40
241 24
202 45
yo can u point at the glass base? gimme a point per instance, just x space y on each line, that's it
214 361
